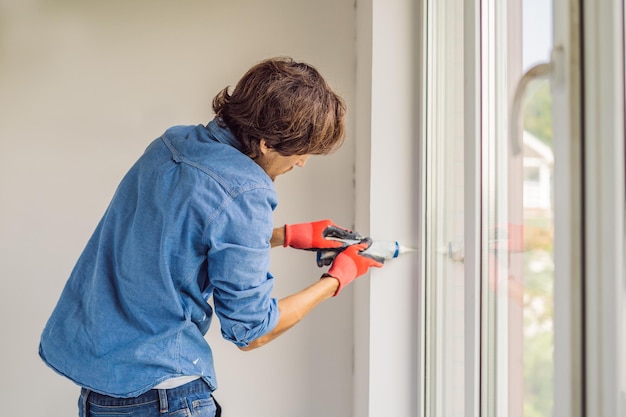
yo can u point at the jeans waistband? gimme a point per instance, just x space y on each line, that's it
160 395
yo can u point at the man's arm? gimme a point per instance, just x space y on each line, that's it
294 307
347 266
278 236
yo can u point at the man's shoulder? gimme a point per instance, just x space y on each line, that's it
221 162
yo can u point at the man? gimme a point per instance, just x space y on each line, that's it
193 219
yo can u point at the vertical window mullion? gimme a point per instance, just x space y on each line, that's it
473 195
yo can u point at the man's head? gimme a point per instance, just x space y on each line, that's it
285 107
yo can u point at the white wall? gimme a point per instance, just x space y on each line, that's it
387 306
84 87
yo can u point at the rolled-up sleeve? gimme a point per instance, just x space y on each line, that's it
238 267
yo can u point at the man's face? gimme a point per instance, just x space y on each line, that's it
275 164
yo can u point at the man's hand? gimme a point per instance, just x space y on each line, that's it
351 264
323 234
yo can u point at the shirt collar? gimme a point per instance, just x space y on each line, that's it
222 134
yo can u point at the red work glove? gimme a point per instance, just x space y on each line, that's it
351 264
314 235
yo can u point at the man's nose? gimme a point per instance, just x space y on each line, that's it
302 161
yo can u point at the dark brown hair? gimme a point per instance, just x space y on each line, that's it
286 103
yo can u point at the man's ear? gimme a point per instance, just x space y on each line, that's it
263 146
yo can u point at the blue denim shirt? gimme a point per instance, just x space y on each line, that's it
192 218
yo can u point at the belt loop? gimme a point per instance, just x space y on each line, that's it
84 397
163 407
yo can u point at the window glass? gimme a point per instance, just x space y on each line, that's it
518 340
516 213
538 219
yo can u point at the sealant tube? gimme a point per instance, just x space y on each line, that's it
386 249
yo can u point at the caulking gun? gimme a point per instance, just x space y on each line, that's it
378 249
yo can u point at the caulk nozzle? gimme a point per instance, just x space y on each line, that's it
405 249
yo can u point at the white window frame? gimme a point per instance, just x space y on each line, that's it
389 361
603 179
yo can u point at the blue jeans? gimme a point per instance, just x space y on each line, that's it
190 400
